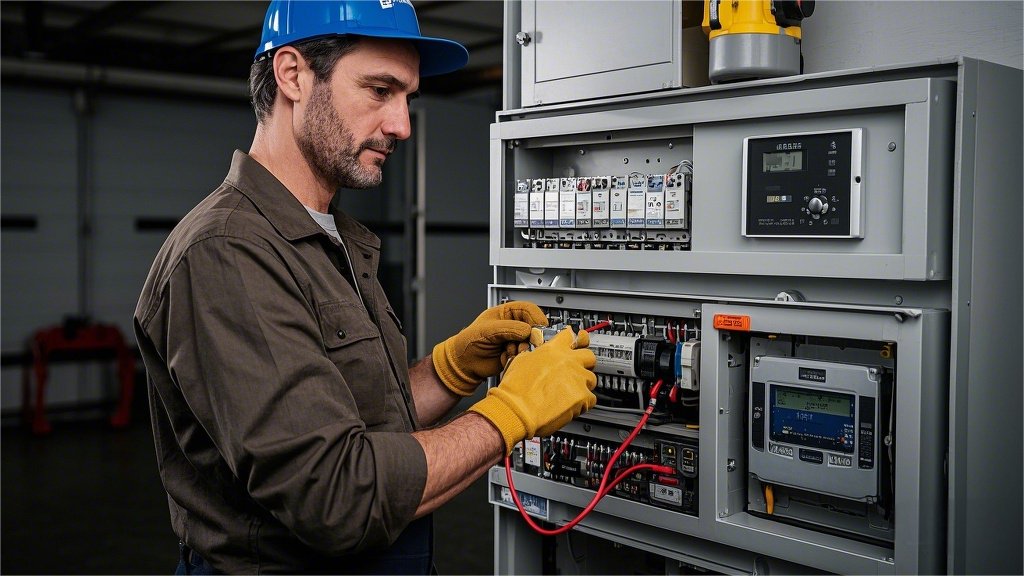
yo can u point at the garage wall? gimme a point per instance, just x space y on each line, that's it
149 159
146 157
842 34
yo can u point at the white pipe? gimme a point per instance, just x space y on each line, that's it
82 74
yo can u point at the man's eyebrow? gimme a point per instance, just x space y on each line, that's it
390 80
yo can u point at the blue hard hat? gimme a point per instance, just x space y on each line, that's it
291 21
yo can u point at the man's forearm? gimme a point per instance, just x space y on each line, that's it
432 398
457 454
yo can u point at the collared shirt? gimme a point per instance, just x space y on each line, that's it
280 402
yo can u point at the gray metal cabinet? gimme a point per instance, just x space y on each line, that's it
577 50
914 160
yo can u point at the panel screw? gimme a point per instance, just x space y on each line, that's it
899 299
582 151
559 299
625 160
730 464
892 146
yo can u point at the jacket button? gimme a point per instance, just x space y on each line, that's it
341 334
365 275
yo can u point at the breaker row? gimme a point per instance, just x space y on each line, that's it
633 211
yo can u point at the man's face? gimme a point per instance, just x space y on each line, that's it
352 122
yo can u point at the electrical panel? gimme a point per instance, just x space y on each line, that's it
767 274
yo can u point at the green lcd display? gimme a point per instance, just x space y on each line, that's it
820 402
789 161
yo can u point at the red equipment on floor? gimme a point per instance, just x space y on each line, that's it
77 340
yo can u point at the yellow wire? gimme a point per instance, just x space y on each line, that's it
769 499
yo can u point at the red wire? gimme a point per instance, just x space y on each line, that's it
598 326
604 487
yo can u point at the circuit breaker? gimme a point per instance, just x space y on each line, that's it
772 275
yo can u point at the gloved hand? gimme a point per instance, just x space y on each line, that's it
542 390
483 348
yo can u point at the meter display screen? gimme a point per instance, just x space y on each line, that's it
792 161
812 418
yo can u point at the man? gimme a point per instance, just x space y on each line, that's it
290 433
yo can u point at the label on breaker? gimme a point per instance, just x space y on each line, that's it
617 209
584 203
654 214
600 201
636 195
667 494
551 203
675 201
532 454
567 203
537 203
614 354
521 211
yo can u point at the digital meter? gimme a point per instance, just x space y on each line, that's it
805 185
815 425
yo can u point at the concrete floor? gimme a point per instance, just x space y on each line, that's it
87 500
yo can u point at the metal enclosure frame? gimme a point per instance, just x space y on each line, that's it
937 274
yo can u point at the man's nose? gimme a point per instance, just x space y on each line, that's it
396 122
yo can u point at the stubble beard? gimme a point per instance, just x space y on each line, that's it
328 146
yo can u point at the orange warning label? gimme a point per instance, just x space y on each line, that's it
732 322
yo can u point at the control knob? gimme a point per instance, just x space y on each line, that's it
818 205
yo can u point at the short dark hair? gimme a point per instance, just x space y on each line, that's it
320 53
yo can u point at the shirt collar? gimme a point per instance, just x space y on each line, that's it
282 209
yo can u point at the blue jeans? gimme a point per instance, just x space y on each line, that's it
412 553
191 563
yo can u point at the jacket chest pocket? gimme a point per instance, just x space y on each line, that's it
353 343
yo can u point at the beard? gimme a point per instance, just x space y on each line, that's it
329 147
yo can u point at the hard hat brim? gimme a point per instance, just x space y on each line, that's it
437 55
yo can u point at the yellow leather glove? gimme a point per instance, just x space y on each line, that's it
483 348
542 390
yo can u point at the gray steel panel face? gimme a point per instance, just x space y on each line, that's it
981 286
985 501
920 337
511 57
906 212
920 392
850 481
581 50
688 549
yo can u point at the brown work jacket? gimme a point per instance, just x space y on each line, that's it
280 402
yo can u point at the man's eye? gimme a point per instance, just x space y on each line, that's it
381 91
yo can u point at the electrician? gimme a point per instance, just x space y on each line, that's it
291 434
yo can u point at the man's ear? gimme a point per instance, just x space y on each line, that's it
287 65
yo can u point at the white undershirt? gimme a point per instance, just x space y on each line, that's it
326 221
